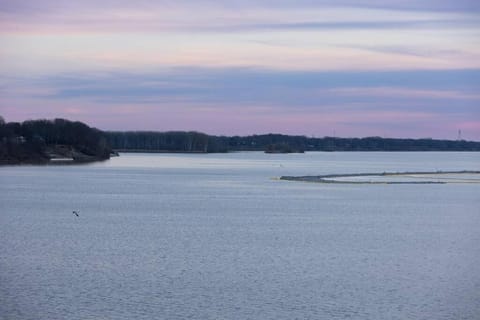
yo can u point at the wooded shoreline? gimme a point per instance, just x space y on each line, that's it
41 141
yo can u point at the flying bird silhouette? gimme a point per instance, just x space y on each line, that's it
75 213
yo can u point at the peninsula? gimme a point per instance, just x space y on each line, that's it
56 141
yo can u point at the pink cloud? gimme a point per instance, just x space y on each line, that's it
393 92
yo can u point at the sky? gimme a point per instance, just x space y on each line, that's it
398 68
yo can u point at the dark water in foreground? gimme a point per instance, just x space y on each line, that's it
215 237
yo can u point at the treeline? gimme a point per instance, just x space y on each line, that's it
302 143
172 141
36 141
199 142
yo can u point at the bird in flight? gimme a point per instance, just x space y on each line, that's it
75 213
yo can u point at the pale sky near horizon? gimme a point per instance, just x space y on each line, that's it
397 68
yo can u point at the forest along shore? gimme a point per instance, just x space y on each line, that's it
181 141
64 141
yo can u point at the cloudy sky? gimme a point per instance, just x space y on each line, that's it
398 68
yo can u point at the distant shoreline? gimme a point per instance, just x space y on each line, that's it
158 151
276 153
61 141
197 142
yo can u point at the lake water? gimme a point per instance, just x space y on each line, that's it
169 236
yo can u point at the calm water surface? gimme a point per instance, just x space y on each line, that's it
164 236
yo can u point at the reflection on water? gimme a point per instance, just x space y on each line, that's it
213 236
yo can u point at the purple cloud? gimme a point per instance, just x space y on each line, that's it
242 101
146 41
27 6
199 16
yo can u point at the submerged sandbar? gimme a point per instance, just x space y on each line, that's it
408 177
